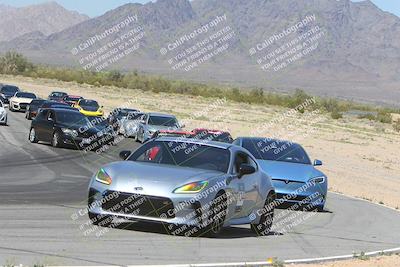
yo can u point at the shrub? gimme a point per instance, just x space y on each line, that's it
396 125
368 116
335 114
384 117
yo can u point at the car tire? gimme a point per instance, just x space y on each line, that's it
32 136
320 208
216 220
263 228
56 140
11 108
137 137
100 220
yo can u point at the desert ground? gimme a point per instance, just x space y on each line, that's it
381 261
360 157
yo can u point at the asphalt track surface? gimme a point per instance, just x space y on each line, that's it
42 190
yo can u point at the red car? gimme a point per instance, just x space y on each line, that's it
173 133
71 99
198 133
212 135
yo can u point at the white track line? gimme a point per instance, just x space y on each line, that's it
269 263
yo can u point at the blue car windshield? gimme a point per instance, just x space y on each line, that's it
183 154
277 150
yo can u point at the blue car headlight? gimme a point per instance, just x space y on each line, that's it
317 180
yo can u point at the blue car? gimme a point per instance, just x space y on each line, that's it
294 176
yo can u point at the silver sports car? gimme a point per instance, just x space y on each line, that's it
152 122
192 187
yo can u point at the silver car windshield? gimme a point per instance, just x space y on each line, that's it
183 154
162 121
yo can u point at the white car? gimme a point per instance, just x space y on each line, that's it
3 114
20 101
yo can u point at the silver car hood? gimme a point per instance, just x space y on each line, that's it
153 179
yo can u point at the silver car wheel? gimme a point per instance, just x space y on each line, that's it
32 136
55 140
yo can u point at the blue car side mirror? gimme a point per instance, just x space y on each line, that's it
317 162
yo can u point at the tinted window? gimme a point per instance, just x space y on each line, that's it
26 95
53 104
36 103
72 98
184 155
58 94
163 121
277 150
88 103
214 136
9 89
134 116
125 112
43 114
72 118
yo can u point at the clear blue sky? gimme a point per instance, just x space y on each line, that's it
99 7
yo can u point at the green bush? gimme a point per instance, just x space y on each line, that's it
335 114
384 117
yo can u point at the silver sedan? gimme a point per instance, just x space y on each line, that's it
192 187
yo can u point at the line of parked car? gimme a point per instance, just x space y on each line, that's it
201 179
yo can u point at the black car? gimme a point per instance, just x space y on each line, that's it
57 96
53 104
8 91
33 108
118 114
64 127
71 99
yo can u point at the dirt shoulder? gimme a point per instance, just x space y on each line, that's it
381 261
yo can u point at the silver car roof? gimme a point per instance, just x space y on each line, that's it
194 141
160 114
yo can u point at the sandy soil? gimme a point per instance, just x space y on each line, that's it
381 261
361 158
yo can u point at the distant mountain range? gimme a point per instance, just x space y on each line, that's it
357 56
45 18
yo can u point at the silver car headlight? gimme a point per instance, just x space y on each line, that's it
318 180
70 132
103 177
191 188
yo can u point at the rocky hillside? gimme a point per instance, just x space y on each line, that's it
46 18
356 55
